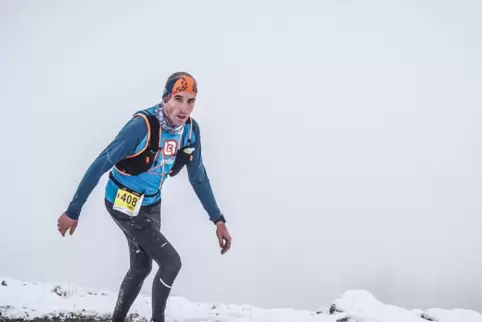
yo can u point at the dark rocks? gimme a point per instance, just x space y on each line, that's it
53 320
58 290
334 309
71 317
427 317
345 319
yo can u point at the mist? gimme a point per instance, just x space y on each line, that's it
342 140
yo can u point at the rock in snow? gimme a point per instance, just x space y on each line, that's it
26 301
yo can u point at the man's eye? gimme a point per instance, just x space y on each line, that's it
179 99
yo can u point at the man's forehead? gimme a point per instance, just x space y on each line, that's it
185 94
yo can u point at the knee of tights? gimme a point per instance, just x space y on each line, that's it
173 264
143 270
177 265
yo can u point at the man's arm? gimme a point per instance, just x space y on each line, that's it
123 145
200 181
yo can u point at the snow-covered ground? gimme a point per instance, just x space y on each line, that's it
26 300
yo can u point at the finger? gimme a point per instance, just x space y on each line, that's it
228 242
220 240
74 227
63 230
227 245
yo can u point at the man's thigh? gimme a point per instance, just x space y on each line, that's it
144 230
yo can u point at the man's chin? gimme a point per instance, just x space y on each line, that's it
176 120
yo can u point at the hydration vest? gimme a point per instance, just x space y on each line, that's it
142 161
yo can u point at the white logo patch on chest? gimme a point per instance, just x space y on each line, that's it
170 148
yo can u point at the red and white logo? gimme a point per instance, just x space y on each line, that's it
170 148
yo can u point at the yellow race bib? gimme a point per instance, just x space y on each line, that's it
128 202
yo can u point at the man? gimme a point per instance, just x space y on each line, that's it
155 144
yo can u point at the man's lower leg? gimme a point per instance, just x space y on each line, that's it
128 292
161 287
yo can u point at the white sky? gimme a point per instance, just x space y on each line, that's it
342 139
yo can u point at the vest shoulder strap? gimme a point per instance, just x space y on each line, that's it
153 130
192 129
142 160
183 156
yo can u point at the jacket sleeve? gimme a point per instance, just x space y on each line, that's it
123 145
199 180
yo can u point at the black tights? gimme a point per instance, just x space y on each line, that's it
146 243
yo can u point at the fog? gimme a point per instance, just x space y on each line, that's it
342 140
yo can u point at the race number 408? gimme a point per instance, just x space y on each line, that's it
127 202
128 198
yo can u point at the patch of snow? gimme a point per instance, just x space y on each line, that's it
26 300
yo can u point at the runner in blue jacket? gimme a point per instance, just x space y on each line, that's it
154 145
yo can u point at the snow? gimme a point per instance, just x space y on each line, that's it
27 300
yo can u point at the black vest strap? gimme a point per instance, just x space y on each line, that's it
120 185
142 162
155 130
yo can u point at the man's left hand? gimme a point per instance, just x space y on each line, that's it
224 237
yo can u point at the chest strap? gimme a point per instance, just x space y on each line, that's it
120 185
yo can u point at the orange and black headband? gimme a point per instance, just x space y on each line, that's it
181 82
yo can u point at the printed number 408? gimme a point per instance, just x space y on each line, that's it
129 199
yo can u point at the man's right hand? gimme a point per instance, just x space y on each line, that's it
223 236
65 223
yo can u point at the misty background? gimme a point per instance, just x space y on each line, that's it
342 140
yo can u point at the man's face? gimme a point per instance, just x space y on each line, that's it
179 107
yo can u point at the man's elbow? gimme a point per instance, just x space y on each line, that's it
198 175
198 180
